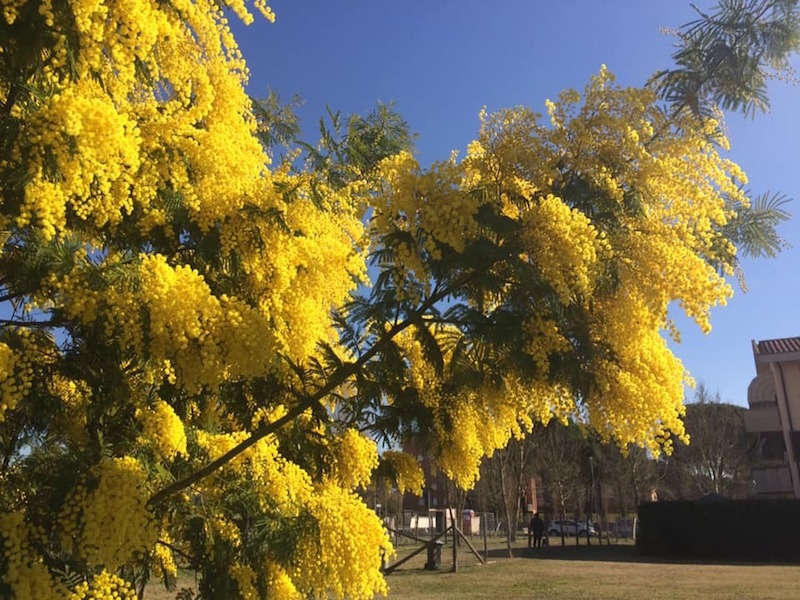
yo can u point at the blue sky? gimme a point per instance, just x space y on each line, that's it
442 60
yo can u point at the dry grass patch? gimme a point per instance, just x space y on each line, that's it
612 573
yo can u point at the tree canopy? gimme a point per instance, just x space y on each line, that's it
189 369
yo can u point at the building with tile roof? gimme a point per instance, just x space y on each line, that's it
774 415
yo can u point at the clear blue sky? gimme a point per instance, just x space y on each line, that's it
442 60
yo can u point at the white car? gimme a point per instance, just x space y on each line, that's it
571 528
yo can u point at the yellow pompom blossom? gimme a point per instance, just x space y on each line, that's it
16 374
75 396
203 337
95 149
26 573
162 560
245 581
342 559
221 529
640 390
109 521
295 286
544 338
163 429
566 245
104 586
280 584
356 457
408 474
428 206
346 560
281 483
115 144
475 422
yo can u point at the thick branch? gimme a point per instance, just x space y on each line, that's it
11 98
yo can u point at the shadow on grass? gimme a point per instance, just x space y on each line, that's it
626 553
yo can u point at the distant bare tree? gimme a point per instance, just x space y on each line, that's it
720 456
558 463
503 478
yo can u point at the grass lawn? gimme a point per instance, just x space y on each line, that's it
594 573
597 573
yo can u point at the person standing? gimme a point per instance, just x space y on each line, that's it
535 531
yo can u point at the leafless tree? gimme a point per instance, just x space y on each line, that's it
720 456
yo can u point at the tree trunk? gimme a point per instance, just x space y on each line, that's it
504 496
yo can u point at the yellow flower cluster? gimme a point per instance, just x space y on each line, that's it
345 561
94 148
203 337
162 429
474 423
638 395
72 291
162 561
295 288
217 444
408 474
220 529
104 586
245 579
16 377
192 336
565 245
544 338
280 584
355 456
74 396
460 440
109 522
430 206
26 573
11 9
420 374
121 141
280 482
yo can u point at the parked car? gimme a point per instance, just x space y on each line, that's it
571 528
625 528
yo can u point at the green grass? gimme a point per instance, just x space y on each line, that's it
613 572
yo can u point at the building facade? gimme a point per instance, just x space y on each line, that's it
774 415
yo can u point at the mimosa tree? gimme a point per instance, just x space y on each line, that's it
187 371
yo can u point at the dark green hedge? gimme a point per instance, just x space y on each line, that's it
737 529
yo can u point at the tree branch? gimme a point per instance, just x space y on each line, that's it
339 377
7 297
176 550
11 99
18 323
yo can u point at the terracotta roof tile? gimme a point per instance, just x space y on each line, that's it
780 346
